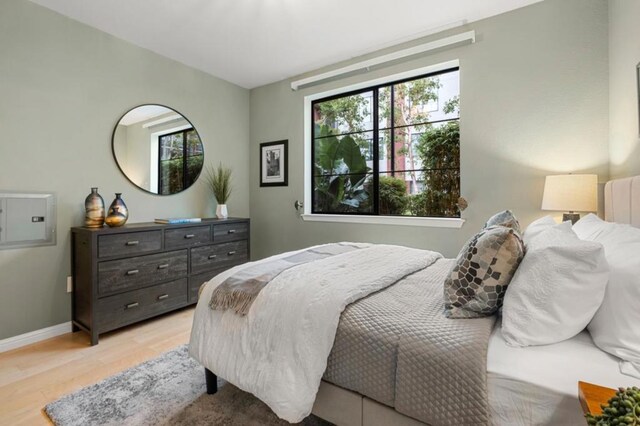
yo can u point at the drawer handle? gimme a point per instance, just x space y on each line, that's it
133 243
163 296
132 272
132 305
188 236
163 266
231 253
231 231
212 256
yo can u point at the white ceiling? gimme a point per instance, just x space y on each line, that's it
256 42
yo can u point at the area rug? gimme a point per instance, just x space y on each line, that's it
168 390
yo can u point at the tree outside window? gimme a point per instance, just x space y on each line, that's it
179 161
392 149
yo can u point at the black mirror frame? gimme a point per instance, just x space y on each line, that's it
638 83
113 150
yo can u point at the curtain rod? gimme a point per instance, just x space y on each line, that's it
462 38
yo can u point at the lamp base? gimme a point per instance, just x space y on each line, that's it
573 217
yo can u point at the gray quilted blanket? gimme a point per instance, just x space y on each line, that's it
398 348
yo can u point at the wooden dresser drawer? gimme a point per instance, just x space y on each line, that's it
131 243
230 232
151 268
136 272
186 237
218 256
195 281
127 308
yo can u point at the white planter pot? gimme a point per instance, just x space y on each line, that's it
221 211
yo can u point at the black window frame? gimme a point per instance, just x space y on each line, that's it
376 131
185 163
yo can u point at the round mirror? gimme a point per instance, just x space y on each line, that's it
158 149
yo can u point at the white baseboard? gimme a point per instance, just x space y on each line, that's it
34 336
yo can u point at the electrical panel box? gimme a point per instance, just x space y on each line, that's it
27 220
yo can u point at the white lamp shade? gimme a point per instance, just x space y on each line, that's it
571 193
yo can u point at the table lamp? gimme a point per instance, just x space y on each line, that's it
571 193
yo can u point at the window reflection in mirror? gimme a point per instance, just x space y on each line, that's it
158 149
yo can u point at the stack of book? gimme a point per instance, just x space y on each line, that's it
175 220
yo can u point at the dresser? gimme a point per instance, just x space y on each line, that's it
141 270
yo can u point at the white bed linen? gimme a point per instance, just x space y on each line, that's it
279 350
538 385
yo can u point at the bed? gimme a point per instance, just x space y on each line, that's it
363 382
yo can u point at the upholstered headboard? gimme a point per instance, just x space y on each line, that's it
622 201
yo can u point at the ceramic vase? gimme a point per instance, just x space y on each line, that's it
118 212
94 210
221 211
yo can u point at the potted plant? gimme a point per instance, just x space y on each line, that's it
219 182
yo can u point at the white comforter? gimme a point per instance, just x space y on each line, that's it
278 352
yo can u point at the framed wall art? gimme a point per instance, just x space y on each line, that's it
274 163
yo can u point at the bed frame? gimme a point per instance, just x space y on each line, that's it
622 201
345 408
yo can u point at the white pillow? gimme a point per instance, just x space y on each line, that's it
589 227
616 326
536 227
556 290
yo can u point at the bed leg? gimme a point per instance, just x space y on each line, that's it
212 381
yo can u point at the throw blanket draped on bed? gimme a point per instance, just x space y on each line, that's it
279 350
240 290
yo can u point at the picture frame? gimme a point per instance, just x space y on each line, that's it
274 163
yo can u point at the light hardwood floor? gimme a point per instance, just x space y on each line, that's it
33 376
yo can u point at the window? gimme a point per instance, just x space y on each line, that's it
180 159
389 150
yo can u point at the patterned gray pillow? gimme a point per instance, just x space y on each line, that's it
476 285
504 218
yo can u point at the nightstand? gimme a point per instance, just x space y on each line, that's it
591 396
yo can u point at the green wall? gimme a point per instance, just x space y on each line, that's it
63 86
534 101
624 57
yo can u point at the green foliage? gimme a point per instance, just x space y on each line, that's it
409 117
452 105
218 180
439 147
340 174
407 97
342 182
392 194
439 150
171 170
622 409
349 110
194 167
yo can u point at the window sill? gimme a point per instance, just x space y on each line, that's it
433 222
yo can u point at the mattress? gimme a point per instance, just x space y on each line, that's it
538 385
